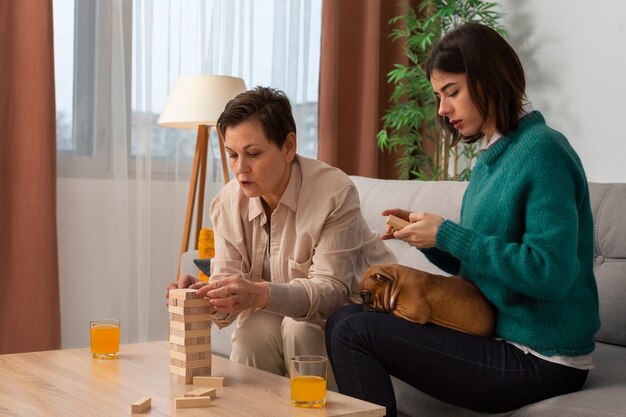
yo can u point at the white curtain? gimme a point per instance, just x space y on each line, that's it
120 232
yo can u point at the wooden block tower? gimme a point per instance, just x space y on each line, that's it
190 335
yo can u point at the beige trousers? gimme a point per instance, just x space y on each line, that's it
267 341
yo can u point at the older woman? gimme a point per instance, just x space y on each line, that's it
291 242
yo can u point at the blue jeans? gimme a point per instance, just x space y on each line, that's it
474 372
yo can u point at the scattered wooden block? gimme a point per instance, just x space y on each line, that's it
209 381
202 392
191 402
141 405
396 222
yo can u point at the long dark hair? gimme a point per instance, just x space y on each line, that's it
271 107
493 70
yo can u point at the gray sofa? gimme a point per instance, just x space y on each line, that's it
604 394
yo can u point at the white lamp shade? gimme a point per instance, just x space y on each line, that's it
199 100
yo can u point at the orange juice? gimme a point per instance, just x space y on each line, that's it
105 340
308 391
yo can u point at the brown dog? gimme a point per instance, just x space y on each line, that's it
422 297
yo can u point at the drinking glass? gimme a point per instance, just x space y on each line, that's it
308 375
105 338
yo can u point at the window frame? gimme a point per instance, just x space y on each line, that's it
92 156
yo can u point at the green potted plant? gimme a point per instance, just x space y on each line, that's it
409 122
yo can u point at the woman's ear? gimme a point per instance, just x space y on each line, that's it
289 147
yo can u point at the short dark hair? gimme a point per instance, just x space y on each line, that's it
271 107
493 70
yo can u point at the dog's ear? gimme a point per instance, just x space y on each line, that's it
380 278
375 275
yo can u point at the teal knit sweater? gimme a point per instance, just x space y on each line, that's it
526 240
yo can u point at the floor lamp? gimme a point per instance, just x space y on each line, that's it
196 102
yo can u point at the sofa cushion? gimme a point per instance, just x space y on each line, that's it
441 197
607 203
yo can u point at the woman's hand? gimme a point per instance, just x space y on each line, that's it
234 294
186 281
421 233
403 214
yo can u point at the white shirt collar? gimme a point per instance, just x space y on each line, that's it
487 143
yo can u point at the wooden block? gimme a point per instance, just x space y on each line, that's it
189 318
202 392
141 405
188 380
191 402
172 302
396 222
183 294
196 302
189 341
174 347
190 326
209 381
200 363
193 356
190 372
190 310
187 334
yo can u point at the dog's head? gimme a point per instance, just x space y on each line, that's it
378 288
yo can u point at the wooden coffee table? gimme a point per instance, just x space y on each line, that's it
70 383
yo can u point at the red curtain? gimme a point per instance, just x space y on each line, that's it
356 55
29 279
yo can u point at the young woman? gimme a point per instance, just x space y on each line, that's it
525 238
291 243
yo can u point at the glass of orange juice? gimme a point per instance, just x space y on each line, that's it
105 338
308 375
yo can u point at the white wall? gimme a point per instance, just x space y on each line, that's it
574 54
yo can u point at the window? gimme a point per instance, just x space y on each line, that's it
115 63
64 58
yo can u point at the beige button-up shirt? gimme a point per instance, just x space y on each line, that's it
319 243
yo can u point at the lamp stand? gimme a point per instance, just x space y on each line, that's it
197 182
